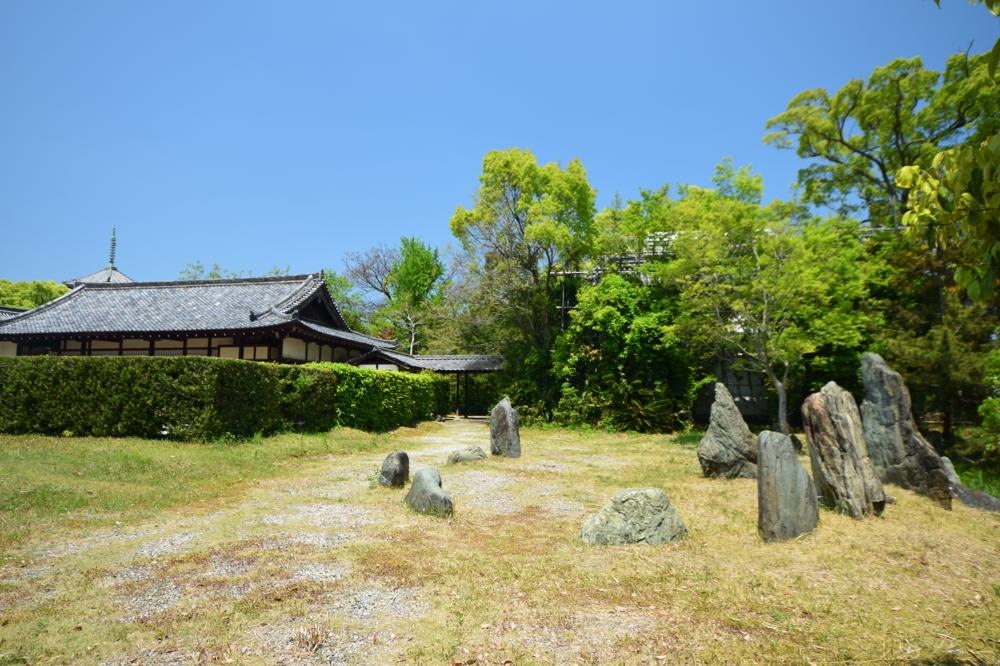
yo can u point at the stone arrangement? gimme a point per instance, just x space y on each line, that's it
395 470
505 435
900 454
467 454
634 515
728 448
843 472
786 496
970 497
427 495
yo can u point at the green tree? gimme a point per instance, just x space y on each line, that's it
413 286
348 300
764 285
529 223
860 136
195 270
29 294
622 361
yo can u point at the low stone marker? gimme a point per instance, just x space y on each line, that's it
427 495
505 435
634 515
900 454
786 496
843 472
728 448
395 470
970 497
467 454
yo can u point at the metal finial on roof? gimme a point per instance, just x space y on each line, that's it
114 246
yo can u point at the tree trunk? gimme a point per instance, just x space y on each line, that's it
781 388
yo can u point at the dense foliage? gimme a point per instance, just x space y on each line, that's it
203 398
380 400
30 294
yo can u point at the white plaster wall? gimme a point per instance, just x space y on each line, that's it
380 366
8 348
293 348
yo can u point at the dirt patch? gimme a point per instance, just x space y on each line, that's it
159 597
169 545
309 539
377 601
126 575
323 515
483 491
313 644
319 573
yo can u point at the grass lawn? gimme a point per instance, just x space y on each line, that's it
284 551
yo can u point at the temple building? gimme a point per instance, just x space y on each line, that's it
282 319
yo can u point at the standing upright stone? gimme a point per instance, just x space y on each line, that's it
843 472
728 449
505 435
786 496
395 470
898 451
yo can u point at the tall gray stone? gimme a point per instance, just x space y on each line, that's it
395 470
900 454
843 472
427 494
505 434
728 448
786 496
634 515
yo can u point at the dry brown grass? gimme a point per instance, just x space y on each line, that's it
507 578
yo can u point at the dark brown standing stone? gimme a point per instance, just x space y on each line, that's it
898 451
843 472
786 496
728 448
395 470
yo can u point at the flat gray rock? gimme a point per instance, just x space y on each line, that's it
427 495
467 454
728 448
842 471
395 470
634 515
786 496
900 454
505 434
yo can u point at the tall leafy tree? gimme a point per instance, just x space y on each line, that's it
858 137
412 287
528 223
765 285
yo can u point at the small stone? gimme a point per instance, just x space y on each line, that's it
505 435
427 495
395 470
634 515
843 472
728 449
467 454
786 496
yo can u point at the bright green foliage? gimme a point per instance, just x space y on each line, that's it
347 299
192 398
622 229
860 136
529 222
989 410
380 400
413 283
769 291
621 360
29 294
195 270
956 204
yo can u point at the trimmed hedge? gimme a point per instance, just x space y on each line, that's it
203 398
380 400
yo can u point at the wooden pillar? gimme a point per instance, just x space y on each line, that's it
152 347
241 346
184 347
121 346
457 392
466 394
210 345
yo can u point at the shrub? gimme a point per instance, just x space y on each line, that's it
380 400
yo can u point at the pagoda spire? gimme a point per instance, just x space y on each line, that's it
114 246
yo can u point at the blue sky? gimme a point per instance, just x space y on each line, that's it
257 134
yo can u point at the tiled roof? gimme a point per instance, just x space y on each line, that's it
108 275
7 313
183 306
349 336
435 362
